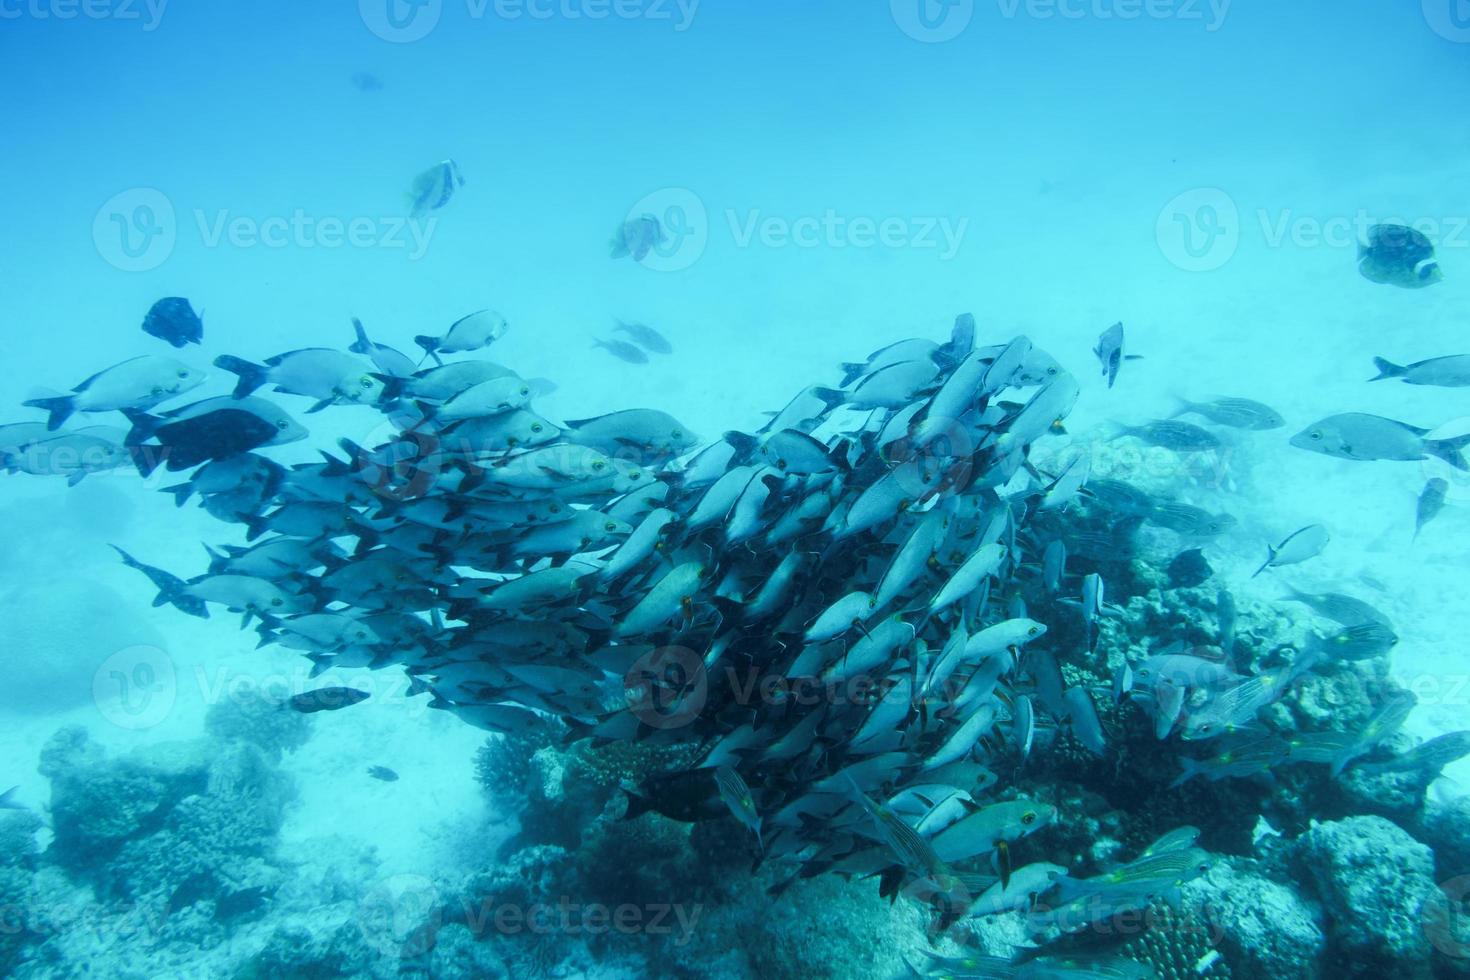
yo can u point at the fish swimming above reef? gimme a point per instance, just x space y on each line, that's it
610 580
1397 255
434 188
1109 351
172 319
1236 413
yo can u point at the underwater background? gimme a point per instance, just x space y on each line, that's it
831 177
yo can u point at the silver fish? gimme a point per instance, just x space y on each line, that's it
1367 438
139 384
1299 546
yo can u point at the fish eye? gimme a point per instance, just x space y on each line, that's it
1315 435
277 601
1028 818
535 426
283 425
184 373
610 526
367 382
1033 631
677 434
525 390
157 390
599 464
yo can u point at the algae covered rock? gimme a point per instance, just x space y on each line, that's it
1264 928
1373 880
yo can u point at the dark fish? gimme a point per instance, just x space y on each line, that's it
172 319
646 337
170 587
622 350
1180 437
1189 569
1397 255
1431 502
383 772
185 444
326 699
1119 497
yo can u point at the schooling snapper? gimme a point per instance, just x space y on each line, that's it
830 614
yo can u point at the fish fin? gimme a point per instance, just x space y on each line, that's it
76 478
1192 768
744 445
60 408
181 492
322 405
1387 369
831 397
7 799
251 375
362 345
1003 863
1450 450
429 344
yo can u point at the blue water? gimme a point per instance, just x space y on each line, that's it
835 176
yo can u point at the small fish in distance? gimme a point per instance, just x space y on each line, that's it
434 188
622 350
637 237
646 337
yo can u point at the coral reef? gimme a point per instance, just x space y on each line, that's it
1373 880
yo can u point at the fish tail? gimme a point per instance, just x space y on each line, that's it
1450 450
1192 768
429 344
1271 556
362 344
1387 369
169 586
251 375
181 492
7 799
60 408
